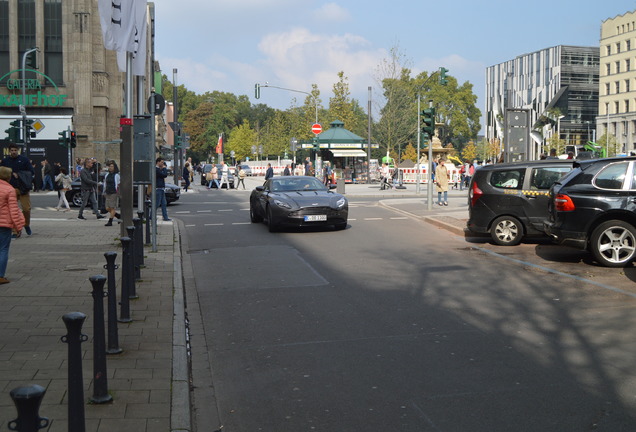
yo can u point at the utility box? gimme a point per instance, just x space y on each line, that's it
340 186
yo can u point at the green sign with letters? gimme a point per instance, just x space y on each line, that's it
31 99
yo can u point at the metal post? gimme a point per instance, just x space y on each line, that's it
27 401
147 205
175 120
418 176
429 195
100 374
369 141
74 337
139 237
113 333
133 259
127 277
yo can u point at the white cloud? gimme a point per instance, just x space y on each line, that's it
332 12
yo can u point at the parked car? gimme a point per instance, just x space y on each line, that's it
74 196
510 201
247 169
208 167
594 208
296 201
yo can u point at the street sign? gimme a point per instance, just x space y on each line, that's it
316 128
160 104
37 126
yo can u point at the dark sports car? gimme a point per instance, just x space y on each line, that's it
296 201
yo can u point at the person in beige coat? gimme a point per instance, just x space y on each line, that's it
441 182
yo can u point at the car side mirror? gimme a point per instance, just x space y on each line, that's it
260 188
332 186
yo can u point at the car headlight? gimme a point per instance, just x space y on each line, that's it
341 202
280 203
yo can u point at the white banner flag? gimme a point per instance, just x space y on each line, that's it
124 27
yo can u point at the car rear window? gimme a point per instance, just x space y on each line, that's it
544 177
612 176
508 179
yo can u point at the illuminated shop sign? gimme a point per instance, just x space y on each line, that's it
34 96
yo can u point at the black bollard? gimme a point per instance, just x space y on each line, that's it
74 337
147 205
127 277
27 401
100 374
113 334
139 239
133 250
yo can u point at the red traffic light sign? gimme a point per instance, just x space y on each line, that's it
316 128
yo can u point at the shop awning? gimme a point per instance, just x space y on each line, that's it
348 153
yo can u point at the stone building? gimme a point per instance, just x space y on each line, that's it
77 84
617 93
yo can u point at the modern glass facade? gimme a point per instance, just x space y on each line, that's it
559 88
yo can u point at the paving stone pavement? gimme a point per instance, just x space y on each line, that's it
49 273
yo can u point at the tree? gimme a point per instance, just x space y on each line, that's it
610 143
241 140
409 152
469 152
340 105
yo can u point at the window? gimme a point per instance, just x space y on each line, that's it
53 62
626 105
628 44
608 50
607 89
4 37
626 85
618 47
26 28
627 65
508 179
608 70
612 176
617 107
618 87
618 67
544 177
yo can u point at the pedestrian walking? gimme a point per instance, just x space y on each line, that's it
270 172
47 176
11 219
88 184
161 173
186 176
21 180
287 170
64 181
111 192
225 176
441 182
241 178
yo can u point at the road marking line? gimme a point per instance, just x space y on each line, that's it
241 223
226 210
190 226
372 219
204 211
214 224
399 218
183 212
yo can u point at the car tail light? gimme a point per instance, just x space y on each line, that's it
563 202
475 194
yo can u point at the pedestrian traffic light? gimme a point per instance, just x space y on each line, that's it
428 122
63 139
442 76
73 139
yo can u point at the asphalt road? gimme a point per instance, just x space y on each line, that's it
395 325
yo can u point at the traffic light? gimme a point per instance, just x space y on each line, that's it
179 142
73 139
257 91
442 76
316 144
32 60
29 128
428 122
14 133
63 139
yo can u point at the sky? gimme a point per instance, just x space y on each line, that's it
231 45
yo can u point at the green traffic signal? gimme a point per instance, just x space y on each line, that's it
442 76
428 122
32 60
63 139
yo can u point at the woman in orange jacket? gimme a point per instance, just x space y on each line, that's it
11 218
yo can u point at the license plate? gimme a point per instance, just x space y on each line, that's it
315 218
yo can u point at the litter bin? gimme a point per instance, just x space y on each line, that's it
340 186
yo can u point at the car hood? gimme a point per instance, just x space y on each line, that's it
307 198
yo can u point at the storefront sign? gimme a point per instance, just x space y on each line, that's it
27 86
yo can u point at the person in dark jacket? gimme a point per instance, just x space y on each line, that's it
270 172
21 180
88 183
161 173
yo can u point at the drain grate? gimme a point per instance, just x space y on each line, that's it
75 269
199 252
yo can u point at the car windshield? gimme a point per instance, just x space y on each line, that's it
290 184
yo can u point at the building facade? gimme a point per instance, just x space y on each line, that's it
76 83
617 100
556 87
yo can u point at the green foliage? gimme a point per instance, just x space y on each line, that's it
610 143
340 105
241 140
469 152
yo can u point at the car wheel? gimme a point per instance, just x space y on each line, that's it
76 199
340 226
613 243
270 220
255 218
506 231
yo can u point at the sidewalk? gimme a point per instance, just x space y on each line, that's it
49 274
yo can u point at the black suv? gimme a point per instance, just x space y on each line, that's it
594 208
510 201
